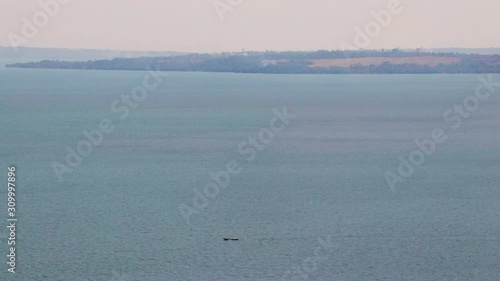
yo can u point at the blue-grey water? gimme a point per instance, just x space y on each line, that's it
116 216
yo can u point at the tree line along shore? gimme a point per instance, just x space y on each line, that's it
319 62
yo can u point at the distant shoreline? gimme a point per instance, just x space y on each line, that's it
320 62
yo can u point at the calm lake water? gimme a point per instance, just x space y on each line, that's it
116 216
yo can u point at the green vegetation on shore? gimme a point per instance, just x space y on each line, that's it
319 62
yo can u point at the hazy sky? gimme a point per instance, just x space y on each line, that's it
195 26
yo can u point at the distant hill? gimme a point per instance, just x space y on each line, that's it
95 54
319 62
74 54
480 51
428 60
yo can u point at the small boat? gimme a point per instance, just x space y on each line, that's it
231 239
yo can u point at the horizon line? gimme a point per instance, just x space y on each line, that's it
243 50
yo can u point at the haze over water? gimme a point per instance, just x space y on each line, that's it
117 213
